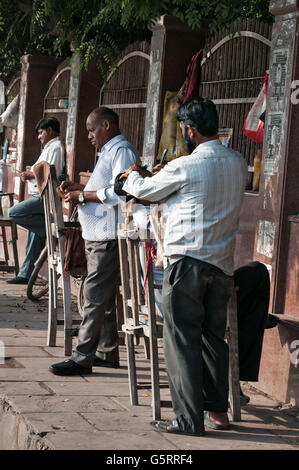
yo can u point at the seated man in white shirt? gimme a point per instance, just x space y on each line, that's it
30 213
98 338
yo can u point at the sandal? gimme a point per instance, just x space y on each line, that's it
211 424
172 427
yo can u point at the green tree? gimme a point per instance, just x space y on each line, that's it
22 31
99 29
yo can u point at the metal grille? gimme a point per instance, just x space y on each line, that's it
233 74
58 90
126 91
12 91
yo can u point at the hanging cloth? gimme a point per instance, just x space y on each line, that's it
193 77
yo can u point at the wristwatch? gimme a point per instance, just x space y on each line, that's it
81 198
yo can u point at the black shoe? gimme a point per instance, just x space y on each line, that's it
69 367
271 321
98 362
17 280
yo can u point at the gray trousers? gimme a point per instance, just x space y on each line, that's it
195 297
98 331
30 215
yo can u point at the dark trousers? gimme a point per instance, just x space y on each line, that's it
195 297
252 303
98 330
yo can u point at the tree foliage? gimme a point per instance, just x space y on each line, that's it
100 28
22 32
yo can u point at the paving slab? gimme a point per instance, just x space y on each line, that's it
23 351
107 440
31 340
39 410
110 389
42 423
66 403
23 388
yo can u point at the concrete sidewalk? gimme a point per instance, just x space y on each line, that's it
41 411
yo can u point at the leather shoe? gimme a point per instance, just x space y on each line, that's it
17 280
98 362
69 367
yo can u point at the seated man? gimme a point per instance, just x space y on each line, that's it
30 213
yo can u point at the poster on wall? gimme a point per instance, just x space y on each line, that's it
225 136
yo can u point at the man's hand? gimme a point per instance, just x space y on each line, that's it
72 197
135 167
67 186
27 175
157 168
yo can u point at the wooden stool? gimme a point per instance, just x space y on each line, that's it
55 233
134 305
5 222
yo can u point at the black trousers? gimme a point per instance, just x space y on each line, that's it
195 296
252 304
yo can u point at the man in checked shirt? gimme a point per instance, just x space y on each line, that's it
203 192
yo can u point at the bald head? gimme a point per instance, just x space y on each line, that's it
105 113
102 125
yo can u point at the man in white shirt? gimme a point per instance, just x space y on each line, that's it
30 213
204 192
98 338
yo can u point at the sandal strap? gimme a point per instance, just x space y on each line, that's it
165 425
173 423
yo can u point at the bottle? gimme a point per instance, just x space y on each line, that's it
257 163
5 205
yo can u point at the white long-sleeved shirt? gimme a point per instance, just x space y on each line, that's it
204 193
99 221
53 153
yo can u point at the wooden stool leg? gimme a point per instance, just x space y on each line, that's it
125 291
153 341
52 312
14 237
146 344
5 248
132 369
67 312
234 380
52 303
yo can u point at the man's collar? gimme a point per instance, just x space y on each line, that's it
108 146
51 141
209 143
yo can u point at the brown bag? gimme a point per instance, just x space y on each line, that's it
75 261
171 137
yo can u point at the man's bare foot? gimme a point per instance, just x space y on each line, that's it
219 418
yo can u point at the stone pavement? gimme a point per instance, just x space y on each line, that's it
41 411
